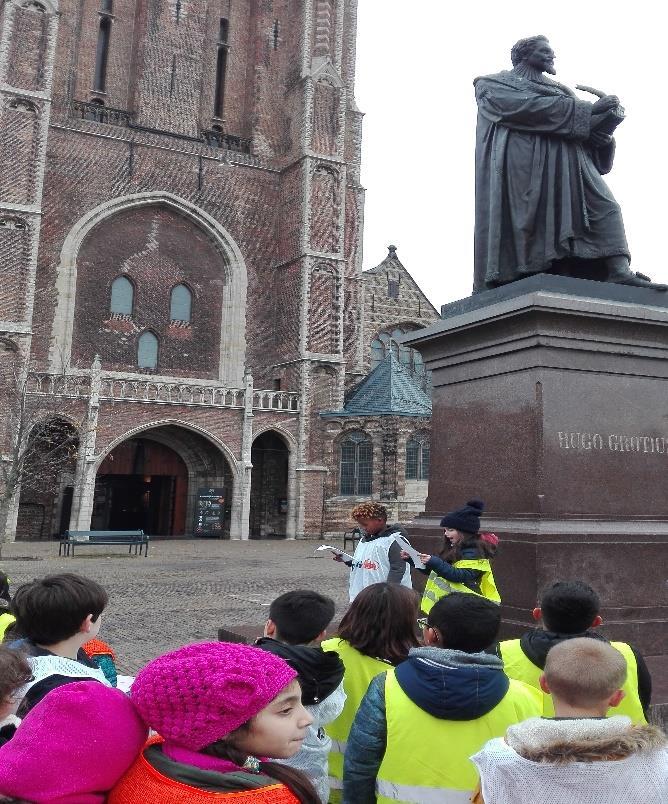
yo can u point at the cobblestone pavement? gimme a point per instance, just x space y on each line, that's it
185 590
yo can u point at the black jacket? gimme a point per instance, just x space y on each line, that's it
536 644
320 671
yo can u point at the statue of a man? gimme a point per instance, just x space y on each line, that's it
541 204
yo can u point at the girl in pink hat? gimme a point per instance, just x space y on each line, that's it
220 709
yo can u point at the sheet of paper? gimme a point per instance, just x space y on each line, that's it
412 552
336 550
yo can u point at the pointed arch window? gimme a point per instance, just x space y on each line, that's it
223 49
417 458
377 352
180 305
147 351
102 52
122 296
356 465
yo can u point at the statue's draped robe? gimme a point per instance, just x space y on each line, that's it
539 192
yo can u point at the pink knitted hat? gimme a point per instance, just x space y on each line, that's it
73 746
198 694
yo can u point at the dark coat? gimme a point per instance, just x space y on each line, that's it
539 192
444 686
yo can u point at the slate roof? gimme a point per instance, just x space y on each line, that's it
387 390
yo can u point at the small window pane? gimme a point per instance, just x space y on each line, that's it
121 296
147 351
347 468
181 304
377 352
356 465
417 458
364 468
393 288
424 469
412 450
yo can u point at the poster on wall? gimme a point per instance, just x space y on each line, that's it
210 512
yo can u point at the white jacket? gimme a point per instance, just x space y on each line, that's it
312 757
572 762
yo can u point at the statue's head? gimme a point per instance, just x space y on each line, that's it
534 51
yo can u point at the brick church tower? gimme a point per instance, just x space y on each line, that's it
180 246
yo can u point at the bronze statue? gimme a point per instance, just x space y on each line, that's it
541 204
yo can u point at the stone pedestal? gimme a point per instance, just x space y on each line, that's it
550 402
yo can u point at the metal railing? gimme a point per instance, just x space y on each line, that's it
230 142
100 113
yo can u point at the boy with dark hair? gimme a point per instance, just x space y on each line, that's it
55 616
300 617
580 756
418 724
568 610
297 624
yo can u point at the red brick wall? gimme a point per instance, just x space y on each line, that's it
162 70
14 254
28 49
155 249
18 145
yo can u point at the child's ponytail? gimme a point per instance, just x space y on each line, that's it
486 545
292 778
295 780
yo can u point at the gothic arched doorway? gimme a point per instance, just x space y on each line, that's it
141 485
154 482
269 487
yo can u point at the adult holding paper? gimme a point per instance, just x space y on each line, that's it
377 556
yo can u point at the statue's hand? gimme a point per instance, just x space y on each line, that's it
598 139
604 104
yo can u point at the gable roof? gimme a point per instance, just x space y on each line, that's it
392 262
387 390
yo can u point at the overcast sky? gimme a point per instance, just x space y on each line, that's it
415 67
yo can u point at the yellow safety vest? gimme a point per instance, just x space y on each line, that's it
518 665
438 587
427 759
360 669
6 620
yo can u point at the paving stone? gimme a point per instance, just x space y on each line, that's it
185 590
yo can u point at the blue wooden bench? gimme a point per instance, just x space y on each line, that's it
85 538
